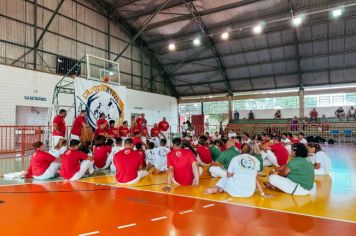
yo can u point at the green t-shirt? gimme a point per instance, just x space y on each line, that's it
259 158
302 172
226 156
215 152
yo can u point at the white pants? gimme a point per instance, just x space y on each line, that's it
321 171
286 185
140 175
50 172
85 166
269 159
200 173
55 140
75 137
217 171
289 149
155 140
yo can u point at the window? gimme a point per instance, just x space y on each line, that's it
328 100
267 103
216 107
190 108
310 101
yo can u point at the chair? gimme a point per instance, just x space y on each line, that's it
347 134
335 133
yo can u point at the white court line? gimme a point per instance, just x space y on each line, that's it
227 200
185 212
244 205
126 226
90 233
209 205
159 218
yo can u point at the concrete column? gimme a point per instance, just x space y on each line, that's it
301 102
229 98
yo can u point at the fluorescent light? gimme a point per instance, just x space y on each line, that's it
336 12
257 29
297 21
225 35
172 47
196 42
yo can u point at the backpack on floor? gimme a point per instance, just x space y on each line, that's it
310 139
317 139
331 141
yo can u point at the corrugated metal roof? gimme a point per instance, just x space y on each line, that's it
324 46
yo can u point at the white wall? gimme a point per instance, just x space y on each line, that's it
15 83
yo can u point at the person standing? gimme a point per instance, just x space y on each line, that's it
313 115
59 127
236 116
251 116
163 127
182 166
79 123
141 119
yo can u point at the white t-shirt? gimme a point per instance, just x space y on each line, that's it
303 141
286 140
57 153
160 158
243 183
246 141
230 135
323 159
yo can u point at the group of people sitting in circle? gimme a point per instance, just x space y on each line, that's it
236 160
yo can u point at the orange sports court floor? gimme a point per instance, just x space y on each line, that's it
99 206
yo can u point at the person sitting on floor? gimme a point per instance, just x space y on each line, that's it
297 177
241 179
128 164
321 161
160 157
118 147
59 149
214 150
101 153
220 165
182 166
277 155
42 165
75 164
139 149
256 152
204 155
302 139
245 137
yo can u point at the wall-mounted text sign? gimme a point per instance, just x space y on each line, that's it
35 98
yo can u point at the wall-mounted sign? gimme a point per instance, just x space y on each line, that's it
138 108
35 98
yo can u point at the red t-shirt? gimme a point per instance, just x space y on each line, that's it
222 148
281 153
127 163
99 121
154 132
314 114
136 140
181 160
78 125
134 130
39 163
143 156
139 122
123 131
101 155
295 141
99 131
71 163
204 154
144 131
163 125
61 126
114 132
238 145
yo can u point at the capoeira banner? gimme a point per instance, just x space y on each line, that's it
96 98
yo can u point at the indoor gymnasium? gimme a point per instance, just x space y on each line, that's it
177 117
